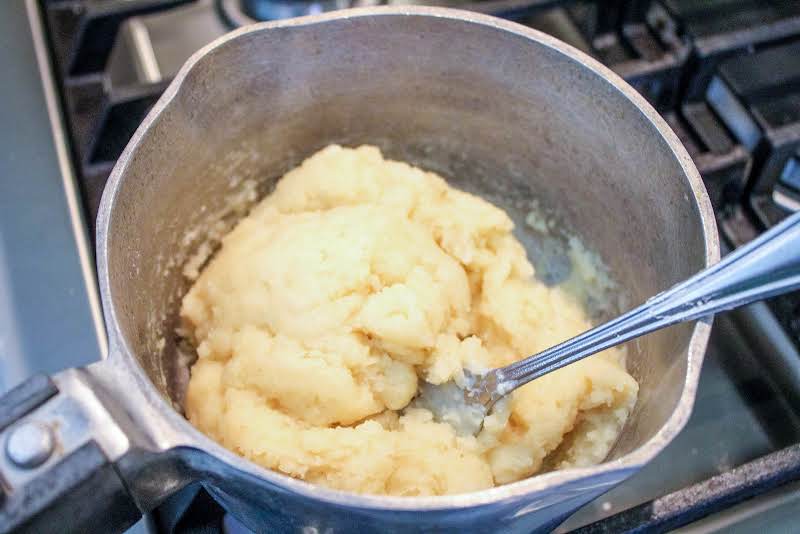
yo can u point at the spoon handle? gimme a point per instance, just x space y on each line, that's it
767 266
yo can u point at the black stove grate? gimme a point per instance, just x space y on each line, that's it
705 498
100 118
665 49
722 72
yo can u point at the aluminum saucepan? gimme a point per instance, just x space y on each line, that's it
497 108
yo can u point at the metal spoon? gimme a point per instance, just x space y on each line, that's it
767 266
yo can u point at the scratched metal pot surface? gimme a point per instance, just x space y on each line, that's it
499 109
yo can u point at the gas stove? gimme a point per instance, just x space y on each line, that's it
723 73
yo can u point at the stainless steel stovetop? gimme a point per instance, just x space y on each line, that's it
68 103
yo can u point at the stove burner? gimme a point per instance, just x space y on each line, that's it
241 12
284 9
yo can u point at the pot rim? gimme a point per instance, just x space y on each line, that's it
187 436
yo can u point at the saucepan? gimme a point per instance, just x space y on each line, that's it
497 108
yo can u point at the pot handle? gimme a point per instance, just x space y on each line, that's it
58 446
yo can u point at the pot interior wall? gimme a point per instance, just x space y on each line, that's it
498 114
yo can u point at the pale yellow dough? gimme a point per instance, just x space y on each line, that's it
354 280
